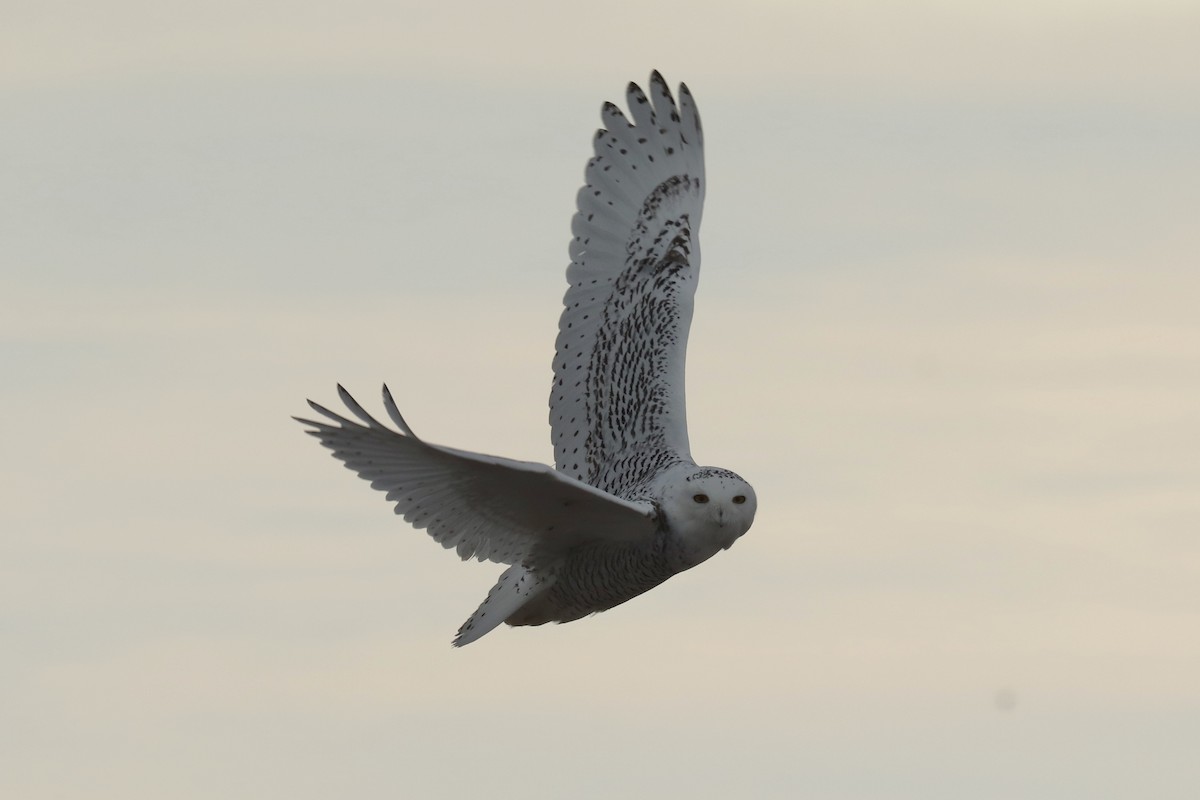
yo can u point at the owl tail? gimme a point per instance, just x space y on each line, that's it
516 587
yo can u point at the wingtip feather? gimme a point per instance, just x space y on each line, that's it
325 412
394 412
358 410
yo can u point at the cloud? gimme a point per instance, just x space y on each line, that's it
946 327
1116 46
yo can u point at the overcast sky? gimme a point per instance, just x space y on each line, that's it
948 327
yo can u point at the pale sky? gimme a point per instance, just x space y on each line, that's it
947 326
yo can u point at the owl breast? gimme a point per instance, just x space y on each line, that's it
598 577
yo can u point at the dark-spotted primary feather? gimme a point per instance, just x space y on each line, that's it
617 409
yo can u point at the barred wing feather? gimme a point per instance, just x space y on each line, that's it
617 406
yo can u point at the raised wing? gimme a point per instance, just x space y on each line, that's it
617 410
491 508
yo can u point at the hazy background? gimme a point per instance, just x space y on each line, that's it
948 327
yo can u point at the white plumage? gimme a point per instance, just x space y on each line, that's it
626 507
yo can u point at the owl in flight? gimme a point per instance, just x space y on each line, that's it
625 506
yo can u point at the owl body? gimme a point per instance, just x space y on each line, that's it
625 507
699 511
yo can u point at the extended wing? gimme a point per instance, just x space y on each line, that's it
617 408
497 509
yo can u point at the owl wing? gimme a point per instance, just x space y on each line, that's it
617 410
487 507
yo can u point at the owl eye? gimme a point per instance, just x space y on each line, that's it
700 498
741 498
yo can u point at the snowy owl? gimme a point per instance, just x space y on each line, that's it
625 506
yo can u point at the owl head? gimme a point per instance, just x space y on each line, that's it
708 508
